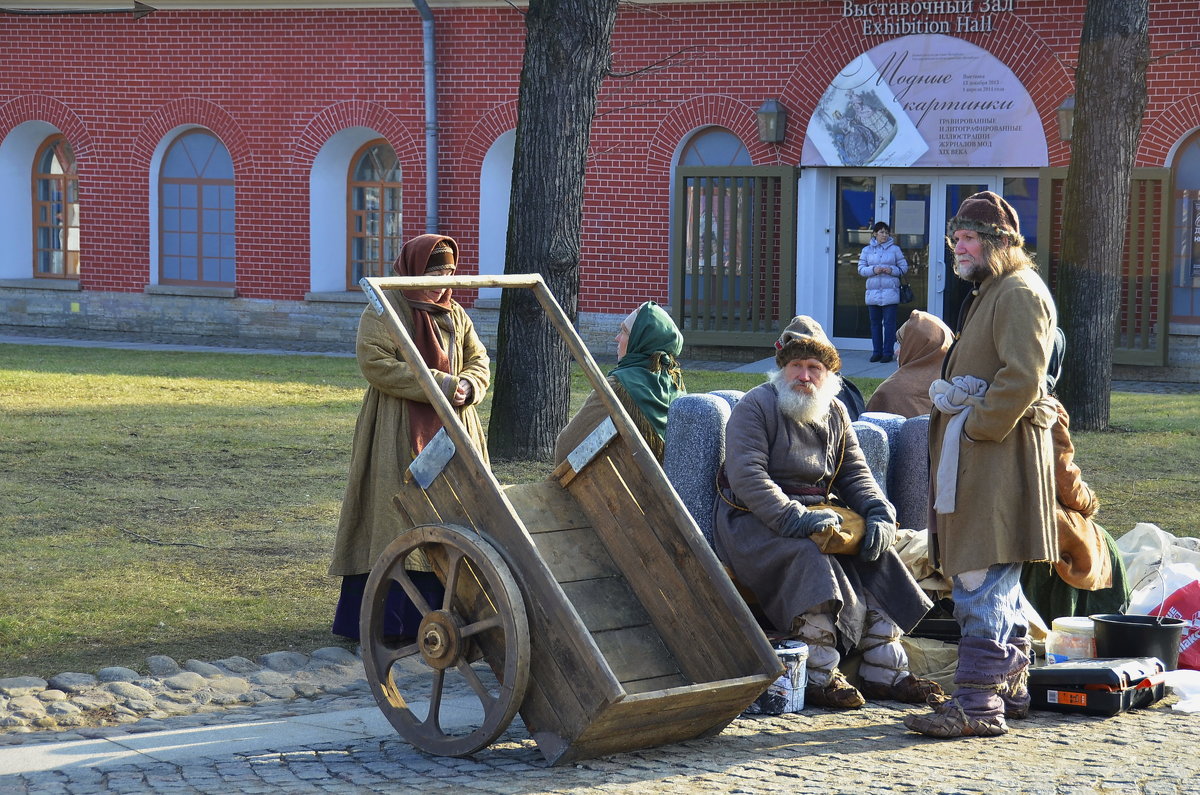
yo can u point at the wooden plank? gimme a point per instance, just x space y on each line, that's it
410 500
650 719
545 507
653 575
635 686
606 604
707 586
636 653
575 555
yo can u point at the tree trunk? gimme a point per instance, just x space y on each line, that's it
566 58
1110 97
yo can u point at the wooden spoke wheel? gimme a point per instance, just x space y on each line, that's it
481 616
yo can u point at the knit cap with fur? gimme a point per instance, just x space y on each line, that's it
988 214
805 339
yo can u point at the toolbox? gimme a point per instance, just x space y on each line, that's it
1097 687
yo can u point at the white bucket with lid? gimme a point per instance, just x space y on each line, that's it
1070 638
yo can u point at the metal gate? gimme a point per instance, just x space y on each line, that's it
733 269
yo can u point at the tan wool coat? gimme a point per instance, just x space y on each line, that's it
1005 507
381 453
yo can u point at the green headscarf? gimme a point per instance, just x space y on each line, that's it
649 370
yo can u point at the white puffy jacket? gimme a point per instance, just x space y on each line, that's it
883 289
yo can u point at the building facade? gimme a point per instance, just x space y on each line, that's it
230 169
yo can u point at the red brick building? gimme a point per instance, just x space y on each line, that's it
230 168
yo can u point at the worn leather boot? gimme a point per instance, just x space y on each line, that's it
884 668
827 686
975 709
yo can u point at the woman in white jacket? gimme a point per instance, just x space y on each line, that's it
882 263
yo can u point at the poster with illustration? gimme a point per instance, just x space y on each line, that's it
858 122
925 100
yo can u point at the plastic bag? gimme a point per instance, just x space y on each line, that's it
1173 591
1146 548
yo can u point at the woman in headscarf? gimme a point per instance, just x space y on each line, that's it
923 341
646 380
395 423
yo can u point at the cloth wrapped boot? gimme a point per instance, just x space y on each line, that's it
827 686
976 708
884 668
1016 695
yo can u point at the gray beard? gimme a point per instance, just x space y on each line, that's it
805 408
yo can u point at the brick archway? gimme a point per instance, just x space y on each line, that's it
192 112
1164 132
35 107
1046 77
336 118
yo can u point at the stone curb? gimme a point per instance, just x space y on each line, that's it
74 705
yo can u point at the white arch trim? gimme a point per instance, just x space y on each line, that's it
17 151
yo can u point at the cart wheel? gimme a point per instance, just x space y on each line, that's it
482 614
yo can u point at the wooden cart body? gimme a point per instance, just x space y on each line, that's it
638 637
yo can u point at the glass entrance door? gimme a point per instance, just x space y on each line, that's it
916 207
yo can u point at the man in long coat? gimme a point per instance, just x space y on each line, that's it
992 456
789 447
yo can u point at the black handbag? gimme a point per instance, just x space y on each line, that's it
906 293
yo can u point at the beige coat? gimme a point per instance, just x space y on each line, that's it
381 453
1005 506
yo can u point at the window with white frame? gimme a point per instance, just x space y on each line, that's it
55 211
196 212
373 214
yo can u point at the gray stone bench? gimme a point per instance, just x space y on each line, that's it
896 450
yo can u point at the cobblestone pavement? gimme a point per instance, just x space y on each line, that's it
1150 751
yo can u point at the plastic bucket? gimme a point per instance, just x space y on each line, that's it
1139 636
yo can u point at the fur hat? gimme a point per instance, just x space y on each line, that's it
805 339
988 214
442 258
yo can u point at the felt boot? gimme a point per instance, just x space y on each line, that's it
827 686
1016 695
975 709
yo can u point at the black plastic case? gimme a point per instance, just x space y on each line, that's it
1097 687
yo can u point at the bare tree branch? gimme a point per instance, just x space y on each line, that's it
156 542
654 67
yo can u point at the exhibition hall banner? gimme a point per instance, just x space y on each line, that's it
925 100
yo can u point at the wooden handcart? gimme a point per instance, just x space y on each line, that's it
589 602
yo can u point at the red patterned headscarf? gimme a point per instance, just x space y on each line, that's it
415 260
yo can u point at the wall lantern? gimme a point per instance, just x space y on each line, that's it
1066 118
772 122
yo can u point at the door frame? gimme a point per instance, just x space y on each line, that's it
940 270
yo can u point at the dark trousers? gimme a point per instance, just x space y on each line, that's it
883 329
401 617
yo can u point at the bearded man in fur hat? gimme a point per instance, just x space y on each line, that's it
789 447
992 485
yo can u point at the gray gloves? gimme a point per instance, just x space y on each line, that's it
807 521
880 532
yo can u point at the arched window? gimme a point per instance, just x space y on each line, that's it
373 216
1185 276
196 208
715 231
714 146
55 211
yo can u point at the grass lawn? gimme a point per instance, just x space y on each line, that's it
185 503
